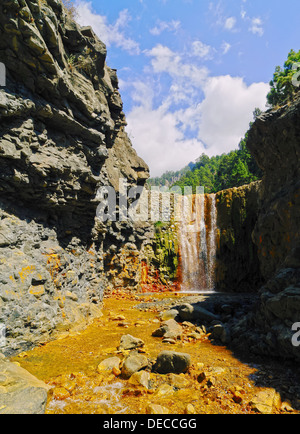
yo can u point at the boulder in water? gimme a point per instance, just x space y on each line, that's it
169 329
129 342
132 364
172 362
189 312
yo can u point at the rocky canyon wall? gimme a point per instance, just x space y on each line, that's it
237 264
274 140
62 137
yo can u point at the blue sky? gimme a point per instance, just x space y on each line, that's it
192 72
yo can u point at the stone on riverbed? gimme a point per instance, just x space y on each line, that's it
132 364
266 401
140 378
109 364
156 409
20 392
172 362
129 342
169 330
219 332
169 314
178 381
189 312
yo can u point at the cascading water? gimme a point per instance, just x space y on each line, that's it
197 241
212 241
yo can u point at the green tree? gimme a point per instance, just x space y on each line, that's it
240 173
282 87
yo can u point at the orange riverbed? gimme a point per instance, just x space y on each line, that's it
69 366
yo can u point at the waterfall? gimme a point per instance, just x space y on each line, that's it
197 242
212 242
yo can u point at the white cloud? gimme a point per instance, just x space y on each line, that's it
171 26
197 113
159 141
204 51
142 94
256 23
225 47
230 23
110 34
214 126
256 26
226 111
165 60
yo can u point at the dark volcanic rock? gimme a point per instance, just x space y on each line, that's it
237 265
62 137
172 362
274 140
195 312
134 363
169 329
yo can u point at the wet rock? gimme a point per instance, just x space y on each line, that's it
129 342
169 314
178 381
169 341
219 332
156 409
286 406
201 377
109 364
169 330
141 378
266 401
188 312
172 362
132 364
20 392
190 409
274 142
164 390
60 394
237 267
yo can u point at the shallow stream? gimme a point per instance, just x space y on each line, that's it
69 365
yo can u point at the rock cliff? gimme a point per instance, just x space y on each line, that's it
62 137
237 264
274 140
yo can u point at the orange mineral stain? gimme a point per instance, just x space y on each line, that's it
216 382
